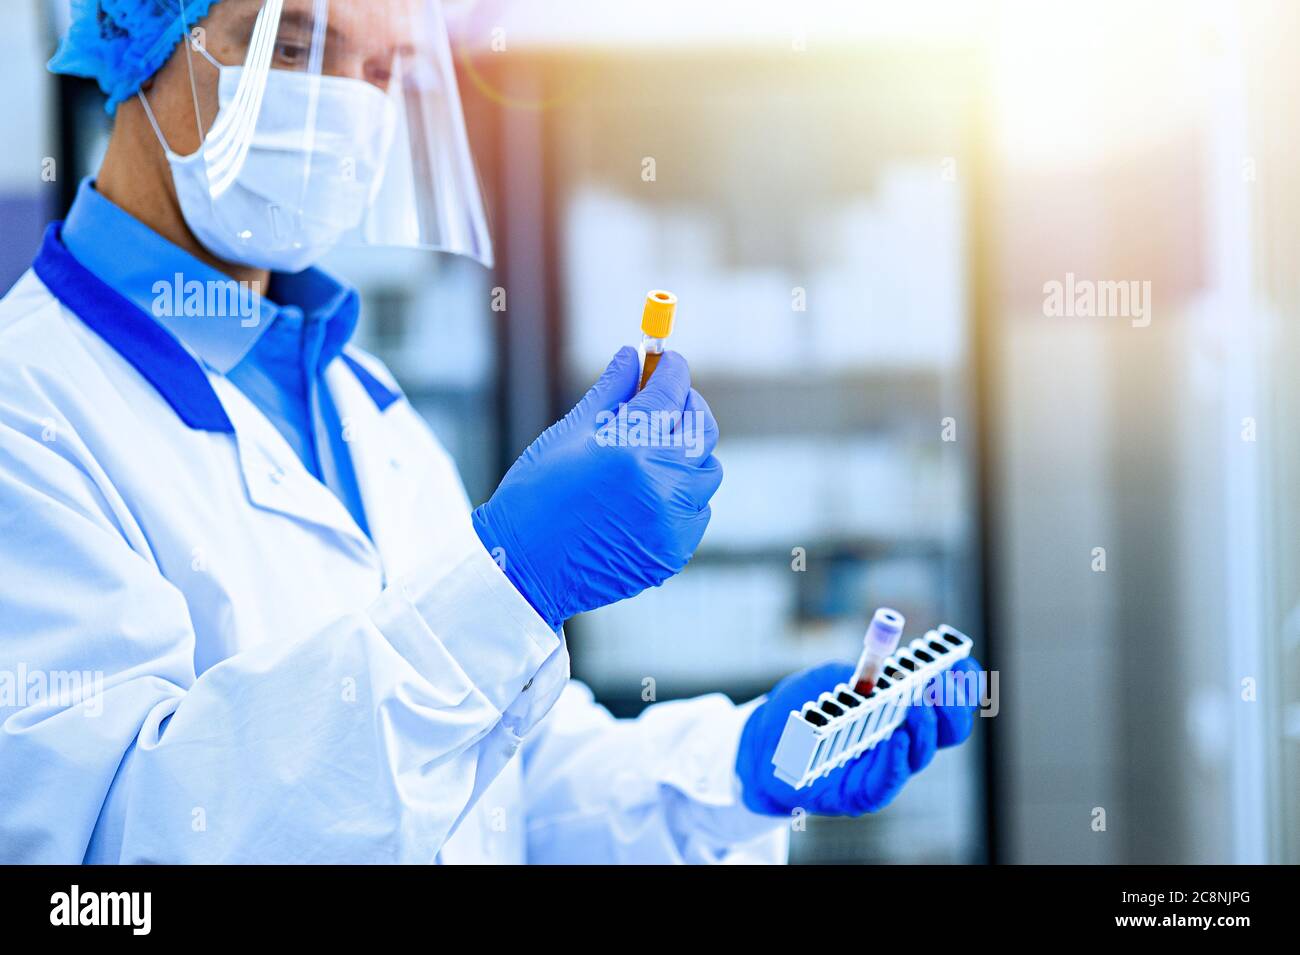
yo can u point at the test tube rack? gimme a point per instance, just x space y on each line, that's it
841 724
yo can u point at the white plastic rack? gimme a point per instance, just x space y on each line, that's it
841 724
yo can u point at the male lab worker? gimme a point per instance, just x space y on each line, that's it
246 611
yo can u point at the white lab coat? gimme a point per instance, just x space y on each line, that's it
262 682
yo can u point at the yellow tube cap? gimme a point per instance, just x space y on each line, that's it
657 319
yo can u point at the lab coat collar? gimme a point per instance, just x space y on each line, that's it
161 357
379 393
276 480
273 474
158 277
153 352
386 485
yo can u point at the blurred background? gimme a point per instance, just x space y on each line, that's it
862 206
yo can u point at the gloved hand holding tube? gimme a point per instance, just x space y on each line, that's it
585 517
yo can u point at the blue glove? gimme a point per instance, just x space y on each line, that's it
866 784
586 517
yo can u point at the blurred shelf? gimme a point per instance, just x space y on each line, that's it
832 404
833 548
626 703
442 394
830 417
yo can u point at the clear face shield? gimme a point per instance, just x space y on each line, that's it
334 123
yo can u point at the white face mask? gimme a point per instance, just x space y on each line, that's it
312 162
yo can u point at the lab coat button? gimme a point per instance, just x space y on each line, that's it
276 475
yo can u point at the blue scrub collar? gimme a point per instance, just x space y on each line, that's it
166 282
149 348
155 354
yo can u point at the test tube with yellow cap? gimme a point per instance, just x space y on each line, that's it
656 326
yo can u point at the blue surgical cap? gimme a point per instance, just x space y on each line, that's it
121 43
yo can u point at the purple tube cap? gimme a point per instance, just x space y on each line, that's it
885 629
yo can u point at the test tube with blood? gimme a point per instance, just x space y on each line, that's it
881 639
656 326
